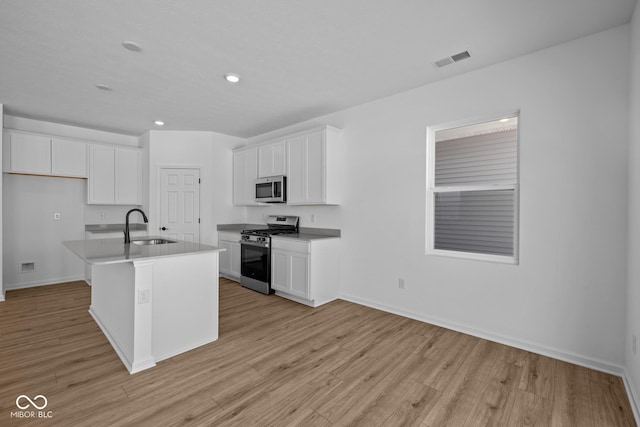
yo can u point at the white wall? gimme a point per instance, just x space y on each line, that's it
30 233
567 296
633 297
209 151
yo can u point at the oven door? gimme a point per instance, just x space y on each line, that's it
255 267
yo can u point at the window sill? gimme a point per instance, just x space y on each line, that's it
499 259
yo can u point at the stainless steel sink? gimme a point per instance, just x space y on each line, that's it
152 241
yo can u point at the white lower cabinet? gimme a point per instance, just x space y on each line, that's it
229 264
290 272
306 271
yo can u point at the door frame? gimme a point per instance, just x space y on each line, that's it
159 195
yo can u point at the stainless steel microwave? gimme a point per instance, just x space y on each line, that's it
272 189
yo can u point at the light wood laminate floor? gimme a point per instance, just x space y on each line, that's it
281 363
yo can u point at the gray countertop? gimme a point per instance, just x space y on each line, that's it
306 233
109 251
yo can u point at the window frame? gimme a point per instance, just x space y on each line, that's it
432 190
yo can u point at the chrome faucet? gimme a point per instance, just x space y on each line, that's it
127 239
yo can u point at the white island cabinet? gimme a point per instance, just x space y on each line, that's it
152 302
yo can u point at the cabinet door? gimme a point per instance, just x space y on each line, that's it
272 159
235 259
299 275
30 154
290 272
245 172
68 158
101 183
316 168
297 178
225 257
128 176
279 270
307 169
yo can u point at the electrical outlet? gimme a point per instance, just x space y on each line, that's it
633 344
56 216
144 296
101 215
313 218
401 283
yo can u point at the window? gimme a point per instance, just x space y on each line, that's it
472 186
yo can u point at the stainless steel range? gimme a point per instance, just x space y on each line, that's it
255 252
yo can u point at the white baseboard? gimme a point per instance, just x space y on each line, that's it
585 361
2 296
131 367
56 281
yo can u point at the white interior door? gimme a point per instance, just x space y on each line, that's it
180 204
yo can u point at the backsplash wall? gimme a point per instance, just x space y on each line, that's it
310 216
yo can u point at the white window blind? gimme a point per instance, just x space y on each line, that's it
485 159
475 221
473 190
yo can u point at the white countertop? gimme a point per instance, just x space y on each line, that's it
109 251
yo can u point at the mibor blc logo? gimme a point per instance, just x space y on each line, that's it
31 407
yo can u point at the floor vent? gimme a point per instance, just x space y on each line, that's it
27 266
451 59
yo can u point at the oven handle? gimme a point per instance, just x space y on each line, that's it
261 245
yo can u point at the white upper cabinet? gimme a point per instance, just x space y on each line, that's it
68 158
37 154
272 159
311 160
245 172
102 175
128 176
115 175
314 166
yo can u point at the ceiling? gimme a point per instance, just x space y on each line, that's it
298 59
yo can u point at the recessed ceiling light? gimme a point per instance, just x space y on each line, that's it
504 120
132 46
232 77
158 123
103 87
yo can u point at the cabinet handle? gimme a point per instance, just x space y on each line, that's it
163 228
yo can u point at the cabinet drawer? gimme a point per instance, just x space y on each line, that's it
291 245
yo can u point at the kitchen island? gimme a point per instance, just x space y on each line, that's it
152 301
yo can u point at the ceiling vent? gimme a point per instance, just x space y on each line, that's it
451 59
